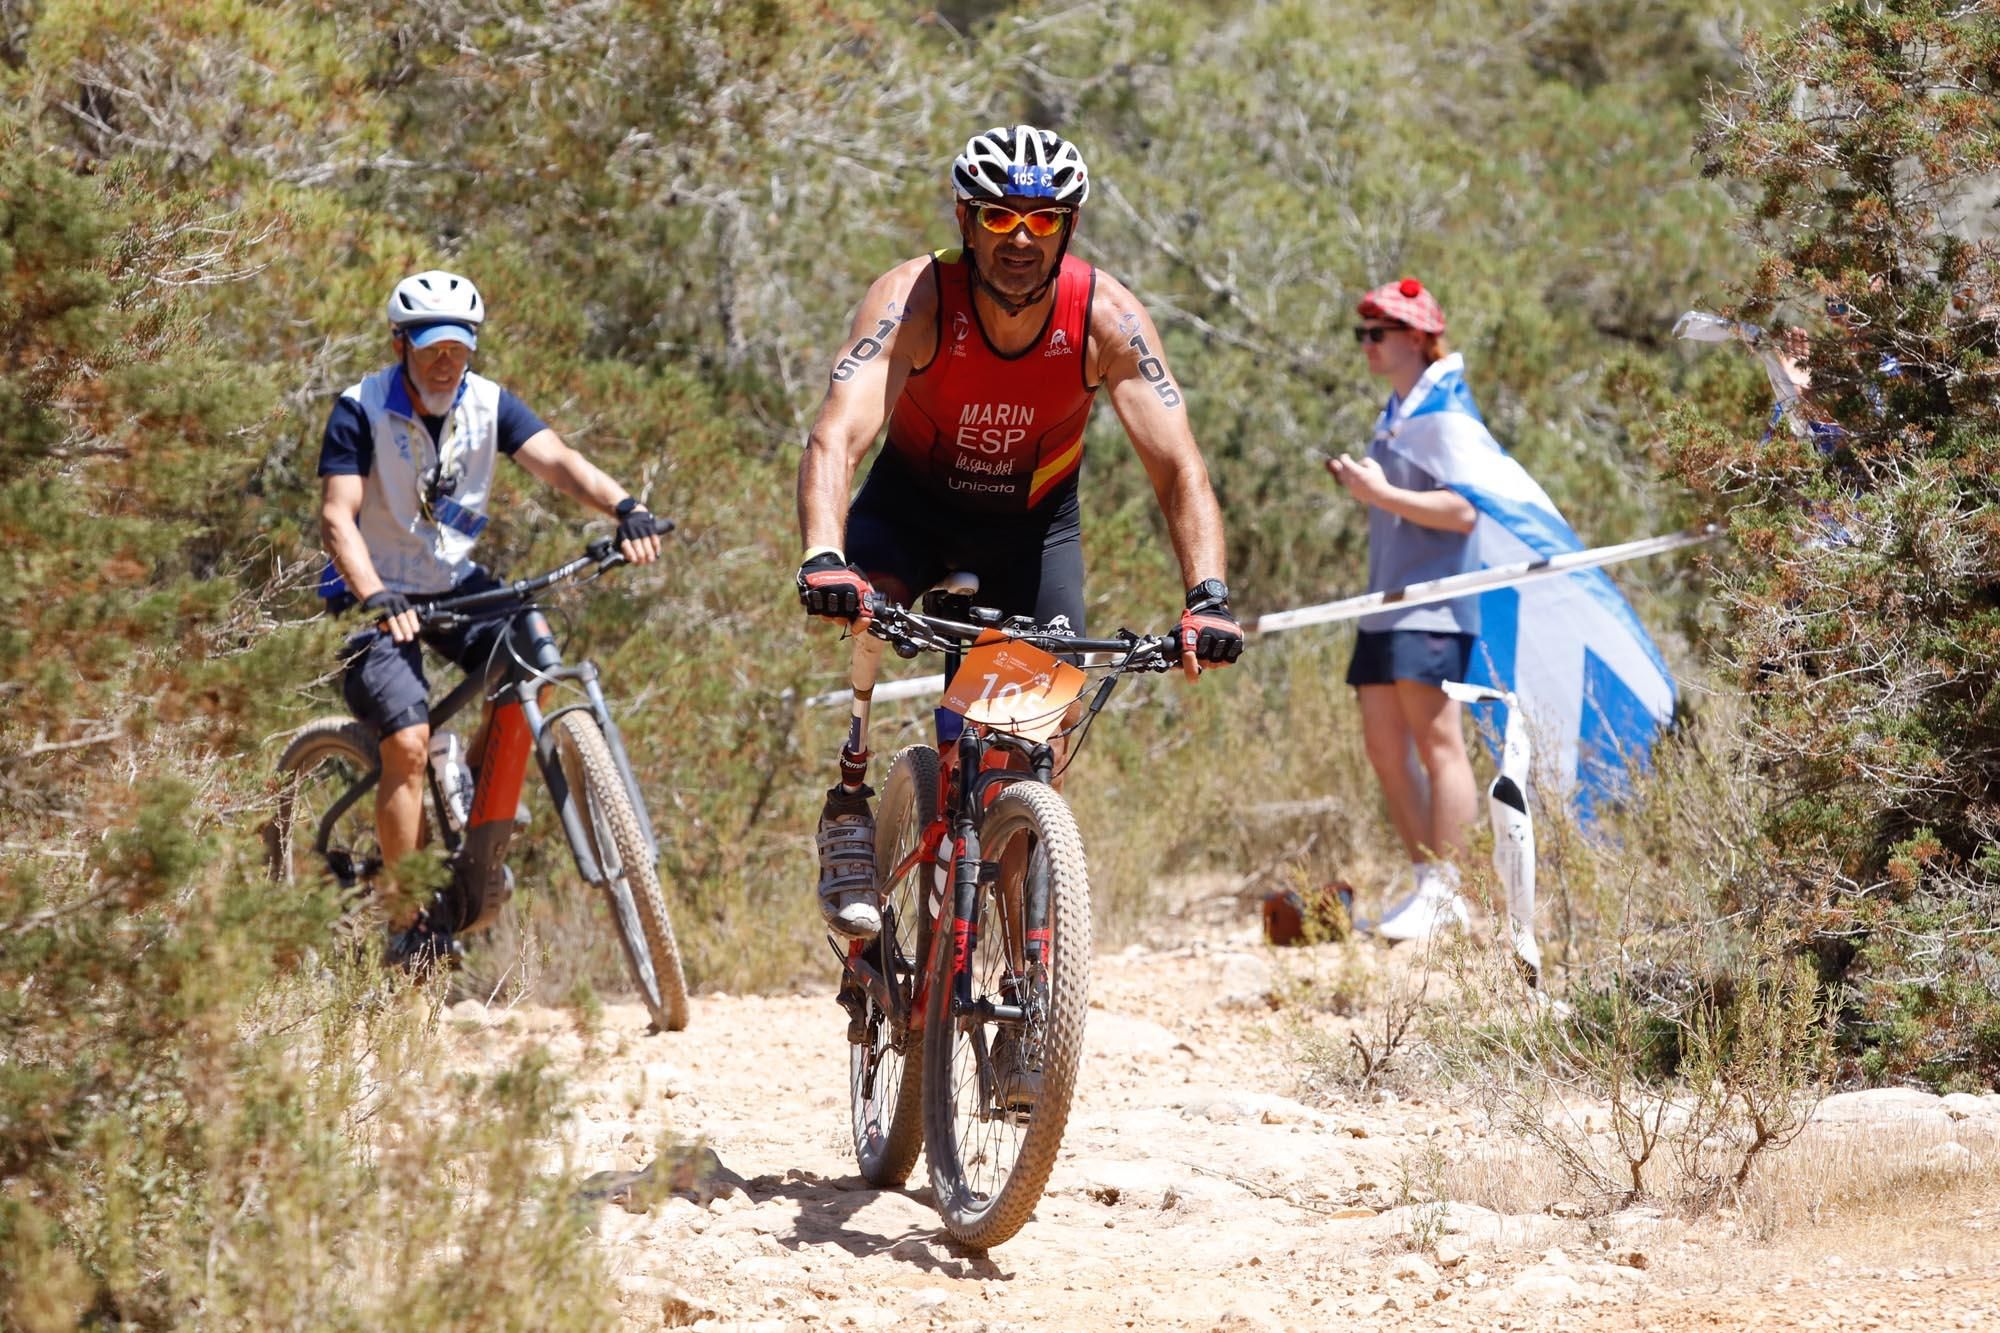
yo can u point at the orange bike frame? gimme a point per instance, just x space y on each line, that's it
504 769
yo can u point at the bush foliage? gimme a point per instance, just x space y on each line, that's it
1865 612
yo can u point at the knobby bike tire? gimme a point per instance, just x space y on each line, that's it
290 834
982 1196
638 908
885 1077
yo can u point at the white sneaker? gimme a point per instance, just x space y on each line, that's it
1434 907
1416 886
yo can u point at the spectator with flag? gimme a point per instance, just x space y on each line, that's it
1444 498
1418 529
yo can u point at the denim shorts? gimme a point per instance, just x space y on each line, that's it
1431 657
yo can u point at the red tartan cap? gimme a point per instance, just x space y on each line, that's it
1406 302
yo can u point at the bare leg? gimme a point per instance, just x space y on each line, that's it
1433 721
1386 734
399 809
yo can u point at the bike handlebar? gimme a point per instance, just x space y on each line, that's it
600 556
911 632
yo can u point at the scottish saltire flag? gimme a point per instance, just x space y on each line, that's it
1595 688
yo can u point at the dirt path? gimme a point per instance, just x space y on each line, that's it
1194 1191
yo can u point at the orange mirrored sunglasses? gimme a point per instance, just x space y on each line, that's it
1043 222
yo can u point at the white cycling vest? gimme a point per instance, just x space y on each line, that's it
412 553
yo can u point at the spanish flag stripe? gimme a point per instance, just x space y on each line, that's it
1053 471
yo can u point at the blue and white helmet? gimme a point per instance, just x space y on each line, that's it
435 297
1021 161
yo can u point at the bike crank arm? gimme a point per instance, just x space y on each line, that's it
870 978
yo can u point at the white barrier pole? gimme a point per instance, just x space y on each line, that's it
1482 580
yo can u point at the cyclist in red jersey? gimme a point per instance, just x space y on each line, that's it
983 363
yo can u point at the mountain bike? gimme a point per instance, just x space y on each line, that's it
332 763
983 960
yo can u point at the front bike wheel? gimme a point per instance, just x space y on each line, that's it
320 768
632 884
885 1072
997 1089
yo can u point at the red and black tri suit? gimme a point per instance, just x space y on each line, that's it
979 471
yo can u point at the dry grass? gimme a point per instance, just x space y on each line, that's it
1830 1175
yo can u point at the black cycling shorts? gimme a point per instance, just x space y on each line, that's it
1031 565
1430 657
384 682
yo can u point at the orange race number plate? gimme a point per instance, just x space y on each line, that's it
1014 687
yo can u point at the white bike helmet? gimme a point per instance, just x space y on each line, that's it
436 298
1020 161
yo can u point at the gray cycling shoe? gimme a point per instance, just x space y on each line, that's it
847 895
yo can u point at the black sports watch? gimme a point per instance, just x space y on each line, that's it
1207 593
626 506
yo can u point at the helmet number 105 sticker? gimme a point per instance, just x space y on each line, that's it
1014 687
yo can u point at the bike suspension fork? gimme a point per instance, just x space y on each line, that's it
966 868
854 753
968 873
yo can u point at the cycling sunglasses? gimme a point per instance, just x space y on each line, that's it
1043 222
1365 334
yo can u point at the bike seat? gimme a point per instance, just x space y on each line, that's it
951 597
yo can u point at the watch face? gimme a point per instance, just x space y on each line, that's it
1208 590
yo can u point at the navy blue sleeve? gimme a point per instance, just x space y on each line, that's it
348 448
518 423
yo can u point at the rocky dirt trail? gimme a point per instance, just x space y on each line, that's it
1195 1190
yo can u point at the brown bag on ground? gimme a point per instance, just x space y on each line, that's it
1311 916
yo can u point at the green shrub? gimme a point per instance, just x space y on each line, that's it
1865 605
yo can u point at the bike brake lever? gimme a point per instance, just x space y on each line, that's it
604 550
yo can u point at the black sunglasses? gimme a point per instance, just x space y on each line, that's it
1365 334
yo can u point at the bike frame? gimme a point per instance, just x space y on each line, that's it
968 786
514 682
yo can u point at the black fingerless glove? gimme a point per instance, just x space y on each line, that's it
1208 626
385 604
635 522
829 586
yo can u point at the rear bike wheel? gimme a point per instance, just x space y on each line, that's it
321 765
997 1090
885 1072
632 884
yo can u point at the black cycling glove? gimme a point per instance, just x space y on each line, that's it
386 604
1208 627
1213 634
635 522
829 586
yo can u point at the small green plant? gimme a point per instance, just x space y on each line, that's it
1420 1185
